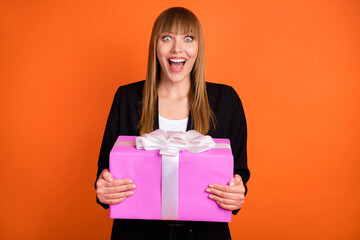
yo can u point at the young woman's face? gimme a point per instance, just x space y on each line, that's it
176 54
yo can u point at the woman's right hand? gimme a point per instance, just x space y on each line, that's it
112 191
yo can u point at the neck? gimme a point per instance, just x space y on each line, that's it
174 90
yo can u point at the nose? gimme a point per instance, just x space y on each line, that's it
177 46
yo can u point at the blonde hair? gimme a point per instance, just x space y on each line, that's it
174 20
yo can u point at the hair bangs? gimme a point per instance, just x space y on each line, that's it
179 21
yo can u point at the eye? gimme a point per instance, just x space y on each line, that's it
166 38
189 38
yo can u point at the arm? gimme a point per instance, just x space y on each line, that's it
231 196
108 190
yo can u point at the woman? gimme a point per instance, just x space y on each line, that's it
175 97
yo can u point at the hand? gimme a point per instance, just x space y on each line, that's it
112 191
230 197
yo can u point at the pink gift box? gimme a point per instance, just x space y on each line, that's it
196 172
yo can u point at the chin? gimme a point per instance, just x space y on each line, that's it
177 79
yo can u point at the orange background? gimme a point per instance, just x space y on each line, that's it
295 65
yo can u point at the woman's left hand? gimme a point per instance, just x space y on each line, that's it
230 197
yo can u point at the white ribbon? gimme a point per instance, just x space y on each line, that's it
170 144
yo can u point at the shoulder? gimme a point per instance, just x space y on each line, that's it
222 91
216 86
132 88
223 97
128 94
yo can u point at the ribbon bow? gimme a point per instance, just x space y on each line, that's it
171 143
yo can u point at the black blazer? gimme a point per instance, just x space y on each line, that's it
125 115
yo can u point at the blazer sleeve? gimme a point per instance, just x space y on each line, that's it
238 139
110 135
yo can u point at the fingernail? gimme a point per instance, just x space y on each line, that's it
130 181
210 185
109 179
133 186
211 196
208 190
131 193
231 184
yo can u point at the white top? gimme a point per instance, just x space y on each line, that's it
173 125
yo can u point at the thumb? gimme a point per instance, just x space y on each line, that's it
238 179
107 175
232 182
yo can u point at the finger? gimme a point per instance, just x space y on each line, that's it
118 182
114 201
118 185
114 196
118 189
228 207
223 200
239 182
224 188
238 196
122 181
231 183
107 175
238 179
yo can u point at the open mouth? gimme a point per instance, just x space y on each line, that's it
177 64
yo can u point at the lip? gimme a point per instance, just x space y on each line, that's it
173 69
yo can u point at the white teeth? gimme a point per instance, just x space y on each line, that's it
177 60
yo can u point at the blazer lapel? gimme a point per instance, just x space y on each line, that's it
156 115
189 125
